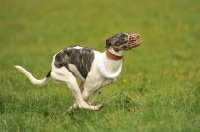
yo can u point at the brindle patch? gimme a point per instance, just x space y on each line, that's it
82 58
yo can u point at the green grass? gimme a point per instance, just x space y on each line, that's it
158 89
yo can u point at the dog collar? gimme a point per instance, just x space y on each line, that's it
103 71
112 56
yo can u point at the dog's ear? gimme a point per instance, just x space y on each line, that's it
104 39
108 43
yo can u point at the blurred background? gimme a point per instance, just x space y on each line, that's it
63 23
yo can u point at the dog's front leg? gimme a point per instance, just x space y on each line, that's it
74 106
93 96
85 94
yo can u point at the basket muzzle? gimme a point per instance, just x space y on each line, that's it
134 40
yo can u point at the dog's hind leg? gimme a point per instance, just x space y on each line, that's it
62 75
81 86
75 105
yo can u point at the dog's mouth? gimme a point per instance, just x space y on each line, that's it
134 40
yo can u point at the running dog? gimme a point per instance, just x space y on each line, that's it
94 69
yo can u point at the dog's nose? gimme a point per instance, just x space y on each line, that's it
134 40
137 36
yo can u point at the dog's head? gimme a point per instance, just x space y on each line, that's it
123 41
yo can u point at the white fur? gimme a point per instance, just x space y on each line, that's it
77 47
89 86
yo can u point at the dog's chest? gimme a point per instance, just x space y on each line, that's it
94 78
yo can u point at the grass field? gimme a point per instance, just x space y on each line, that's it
158 89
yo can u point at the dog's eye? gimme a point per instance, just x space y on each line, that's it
117 43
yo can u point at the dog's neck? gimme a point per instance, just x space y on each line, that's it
110 63
113 61
111 54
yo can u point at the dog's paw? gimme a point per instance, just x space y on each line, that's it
99 107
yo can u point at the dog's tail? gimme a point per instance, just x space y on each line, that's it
33 79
